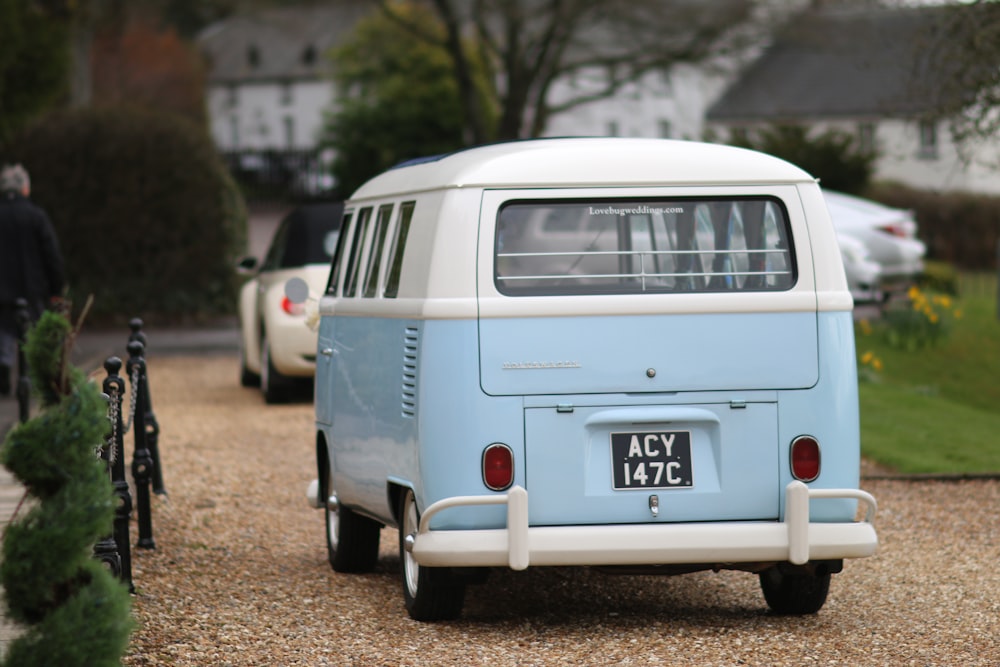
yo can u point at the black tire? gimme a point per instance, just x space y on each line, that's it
351 539
274 386
247 377
794 591
430 593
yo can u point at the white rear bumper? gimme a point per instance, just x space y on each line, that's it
518 546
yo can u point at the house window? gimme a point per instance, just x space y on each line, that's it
928 149
613 129
232 95
866 137
289 125
666 131
309 55
286 93
253 56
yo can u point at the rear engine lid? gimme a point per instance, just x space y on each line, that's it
648 353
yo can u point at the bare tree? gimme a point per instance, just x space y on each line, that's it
970 48
532 44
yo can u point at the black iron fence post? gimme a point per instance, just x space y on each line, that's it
114 388
142 461
23 392
149 417
106 550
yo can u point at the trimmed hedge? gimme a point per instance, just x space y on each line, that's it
959 228
149 220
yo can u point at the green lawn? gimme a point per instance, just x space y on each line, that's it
936 409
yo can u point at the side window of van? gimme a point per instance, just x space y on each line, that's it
628 246
357 247
395 254
375 254
338 255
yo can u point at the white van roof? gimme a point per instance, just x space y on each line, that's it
582 162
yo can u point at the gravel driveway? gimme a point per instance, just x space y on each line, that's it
239 574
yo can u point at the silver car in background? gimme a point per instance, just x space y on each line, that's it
889 237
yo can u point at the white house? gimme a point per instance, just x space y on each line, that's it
269 87
867 71
268 81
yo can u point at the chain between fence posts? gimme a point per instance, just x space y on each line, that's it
142 461
23 392
149 417
114 388
107 549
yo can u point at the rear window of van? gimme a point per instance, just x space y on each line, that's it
635 246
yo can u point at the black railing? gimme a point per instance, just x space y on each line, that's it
281 175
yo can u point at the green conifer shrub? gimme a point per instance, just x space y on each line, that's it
75 611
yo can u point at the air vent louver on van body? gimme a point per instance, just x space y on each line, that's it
411 341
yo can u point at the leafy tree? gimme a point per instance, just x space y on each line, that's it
399 99
534 43
188 17
144 65
34 61
832 156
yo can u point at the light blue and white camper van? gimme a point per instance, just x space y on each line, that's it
602 352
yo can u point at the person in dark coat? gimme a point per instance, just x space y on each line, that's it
31 265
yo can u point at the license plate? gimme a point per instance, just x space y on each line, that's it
651 460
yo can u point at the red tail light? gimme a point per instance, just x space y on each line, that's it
498 466
895 230
805 458
292 308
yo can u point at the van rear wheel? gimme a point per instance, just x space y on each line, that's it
351 539
794 591
431 593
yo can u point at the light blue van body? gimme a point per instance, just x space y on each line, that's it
471 324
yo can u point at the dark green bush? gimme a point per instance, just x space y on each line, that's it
939 277
832 156
959 228
149 220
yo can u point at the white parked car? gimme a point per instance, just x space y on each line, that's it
277 347
863 273
889 235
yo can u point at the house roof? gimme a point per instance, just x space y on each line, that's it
842 62
277 44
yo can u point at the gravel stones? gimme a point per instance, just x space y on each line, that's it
239 575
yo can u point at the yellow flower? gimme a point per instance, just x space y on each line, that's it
932 317
877 364
943 300
867 357
913 292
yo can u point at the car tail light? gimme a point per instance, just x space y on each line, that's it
895 230
805 458
291 307
498 466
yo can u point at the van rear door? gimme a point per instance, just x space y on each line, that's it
649 336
